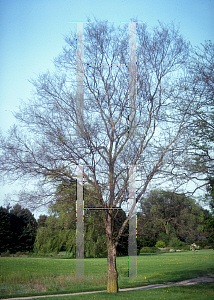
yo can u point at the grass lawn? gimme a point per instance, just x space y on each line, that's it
36 276
196 292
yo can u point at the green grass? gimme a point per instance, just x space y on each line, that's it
36 276
196 292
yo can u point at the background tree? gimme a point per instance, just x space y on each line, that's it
114 134
5 232
201 130
209 226
18 229
41 221
171 217
58 232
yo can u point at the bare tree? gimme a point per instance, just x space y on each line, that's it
121 129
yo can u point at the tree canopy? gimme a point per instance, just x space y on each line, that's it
169 216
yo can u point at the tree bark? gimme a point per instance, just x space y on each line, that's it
166 227
112 285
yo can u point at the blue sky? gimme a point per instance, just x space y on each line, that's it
32 34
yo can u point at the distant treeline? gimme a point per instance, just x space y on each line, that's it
173 218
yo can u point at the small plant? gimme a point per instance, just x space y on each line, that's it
160 244
194 247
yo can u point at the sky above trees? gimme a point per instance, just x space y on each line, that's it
32 34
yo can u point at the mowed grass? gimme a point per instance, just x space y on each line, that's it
195 292
36 276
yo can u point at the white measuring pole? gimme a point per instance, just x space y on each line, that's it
80 79
132 251
132 77
79 225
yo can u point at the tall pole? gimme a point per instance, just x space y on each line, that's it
132 78
132 250
80 80
79 225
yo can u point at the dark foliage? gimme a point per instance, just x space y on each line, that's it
17 229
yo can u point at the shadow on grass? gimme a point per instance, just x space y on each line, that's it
149 254
180 275
167 278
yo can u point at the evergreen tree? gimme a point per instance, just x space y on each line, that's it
5 230
18 229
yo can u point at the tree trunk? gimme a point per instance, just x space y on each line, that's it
166 227
112 285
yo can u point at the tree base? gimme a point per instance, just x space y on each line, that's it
112 283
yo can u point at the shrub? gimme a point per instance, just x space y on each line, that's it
163 237
20 253
160 244
208 247
186 247
149 250
5 254
203 243
175 243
